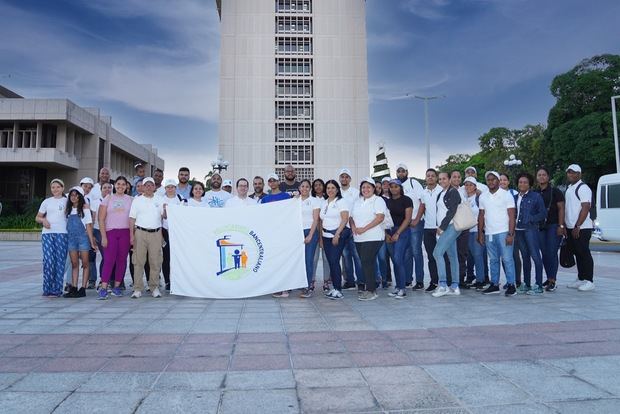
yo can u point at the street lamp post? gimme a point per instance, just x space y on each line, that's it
512 163
219 164
426 128
615 122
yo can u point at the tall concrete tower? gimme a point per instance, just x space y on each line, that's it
294 87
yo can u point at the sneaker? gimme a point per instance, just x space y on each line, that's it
148 289
401 294
81 293
394 293
523 289
491 290
441 291
479 286
408 284
117 292
455 291
505 286
431 288
91 284
328 292
418 286
551 286
136 294
68 287
536 290
511 290
546 283
283 294
586 286
306 293
575 284
335 294
361 293
463 285
349 286
103 294
72 293
368 296
156 293
470 280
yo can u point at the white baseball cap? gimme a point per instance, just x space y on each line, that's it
574 167
88 180
471 168
403 166
384 179
78 189
471 180
344 171
170 181
495 173
227 183
148 180
139 164
368 180
273 176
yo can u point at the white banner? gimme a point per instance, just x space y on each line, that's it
236 252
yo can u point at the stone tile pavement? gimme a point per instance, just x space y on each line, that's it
559 353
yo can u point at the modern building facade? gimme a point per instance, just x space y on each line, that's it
294 87
41 139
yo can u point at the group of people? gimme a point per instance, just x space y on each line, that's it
368 235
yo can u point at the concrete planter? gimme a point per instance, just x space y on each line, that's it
20 235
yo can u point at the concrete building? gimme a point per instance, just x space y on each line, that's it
41 139
294 87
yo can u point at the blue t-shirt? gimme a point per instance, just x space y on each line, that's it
270 198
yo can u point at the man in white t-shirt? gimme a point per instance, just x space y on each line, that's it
241 199
429 198
350 256
496 230
413 189
145 221
104 177
579 227
216 197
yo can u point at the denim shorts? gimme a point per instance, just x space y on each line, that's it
79 243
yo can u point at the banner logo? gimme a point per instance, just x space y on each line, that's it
241 252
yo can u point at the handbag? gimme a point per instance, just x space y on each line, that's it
567 255
464 218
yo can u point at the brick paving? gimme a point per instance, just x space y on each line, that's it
472 354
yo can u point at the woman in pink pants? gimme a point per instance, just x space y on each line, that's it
113 218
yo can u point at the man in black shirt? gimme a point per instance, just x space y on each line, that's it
290 184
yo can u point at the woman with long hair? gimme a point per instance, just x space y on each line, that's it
398 237
318 191
310 208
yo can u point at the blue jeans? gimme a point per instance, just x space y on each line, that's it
476 252
398 251
334 253
549 246
498 250
351 260
447 244
381 264
529 247
414 254
310 250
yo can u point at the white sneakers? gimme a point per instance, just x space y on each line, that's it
581 285
334 294
446 291
136 294
156 293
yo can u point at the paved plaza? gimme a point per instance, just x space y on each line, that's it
559 353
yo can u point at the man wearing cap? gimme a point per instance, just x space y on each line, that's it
579 227
496 230
290 184
140 173
413 189
216 197
350 256
145 221
227 186
472 172
183 187
170 197
273 181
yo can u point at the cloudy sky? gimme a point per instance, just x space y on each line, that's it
153 66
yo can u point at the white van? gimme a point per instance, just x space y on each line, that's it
607 223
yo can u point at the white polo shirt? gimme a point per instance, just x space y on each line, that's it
429 198
147 211
308 207
495 206
330 215
573 205
364 211
54 211
237 201
413 189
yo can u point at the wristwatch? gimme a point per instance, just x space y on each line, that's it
561 226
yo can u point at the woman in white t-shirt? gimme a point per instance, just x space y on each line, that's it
195 195
366 217
310 209
318 192
81 240
51 216
476 250
335 217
